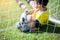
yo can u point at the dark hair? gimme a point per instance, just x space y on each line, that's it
28 1
42 2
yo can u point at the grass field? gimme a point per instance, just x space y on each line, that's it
55 8
10 14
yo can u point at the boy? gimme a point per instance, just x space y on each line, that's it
36 16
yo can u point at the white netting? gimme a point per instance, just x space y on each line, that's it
10 14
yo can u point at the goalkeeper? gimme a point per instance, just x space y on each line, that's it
31 19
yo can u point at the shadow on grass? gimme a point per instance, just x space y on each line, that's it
50 28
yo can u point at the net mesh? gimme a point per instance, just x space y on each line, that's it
10 14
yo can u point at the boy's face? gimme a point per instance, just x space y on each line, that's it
38 5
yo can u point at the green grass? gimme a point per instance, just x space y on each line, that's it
14 34
55 8
10 14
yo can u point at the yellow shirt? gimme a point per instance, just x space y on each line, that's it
42 16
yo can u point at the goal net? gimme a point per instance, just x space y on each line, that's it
10 13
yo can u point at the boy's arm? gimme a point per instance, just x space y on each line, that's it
21 5
24 7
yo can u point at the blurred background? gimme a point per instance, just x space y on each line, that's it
10 14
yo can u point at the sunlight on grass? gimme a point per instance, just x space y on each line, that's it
9 15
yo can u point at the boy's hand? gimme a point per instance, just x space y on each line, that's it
21 4
31 11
